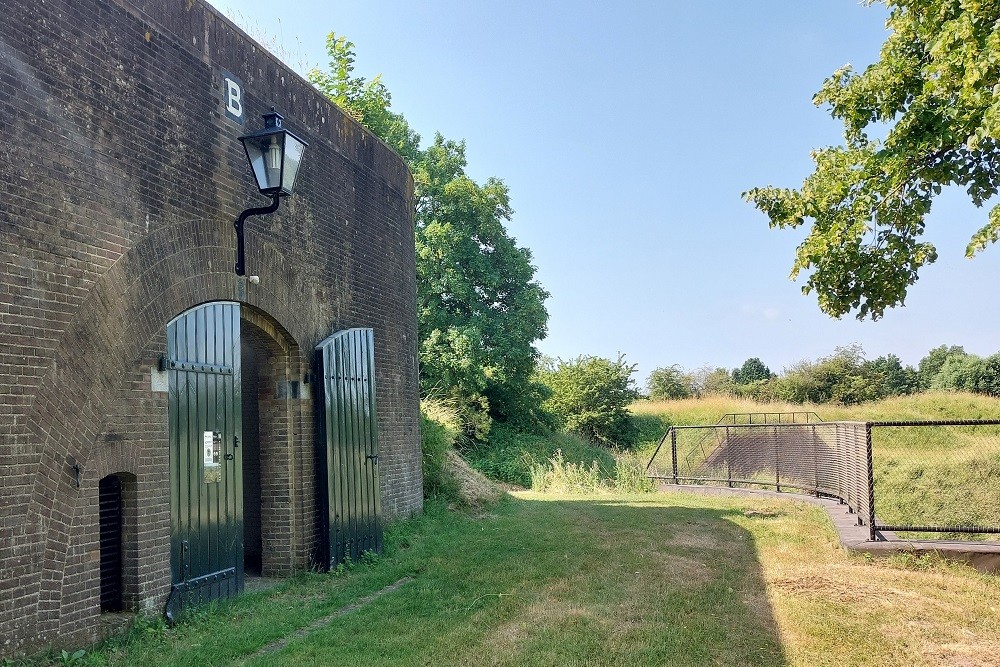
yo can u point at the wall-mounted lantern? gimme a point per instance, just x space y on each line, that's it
274 154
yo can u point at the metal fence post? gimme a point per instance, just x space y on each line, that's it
673 450
777 461
815 457
871 482
729 460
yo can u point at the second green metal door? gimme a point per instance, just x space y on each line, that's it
350 502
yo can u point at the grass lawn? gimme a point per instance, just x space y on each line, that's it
655 579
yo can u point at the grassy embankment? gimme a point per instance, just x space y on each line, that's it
946 476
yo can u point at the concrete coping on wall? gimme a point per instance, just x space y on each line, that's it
984 556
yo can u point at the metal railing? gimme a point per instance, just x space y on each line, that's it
863 464
804 417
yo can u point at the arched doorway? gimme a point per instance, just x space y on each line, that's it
235 499
273 465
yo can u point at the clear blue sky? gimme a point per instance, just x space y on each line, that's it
626 132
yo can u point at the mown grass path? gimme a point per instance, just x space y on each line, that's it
603 580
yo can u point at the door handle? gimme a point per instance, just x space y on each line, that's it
373 458
230 457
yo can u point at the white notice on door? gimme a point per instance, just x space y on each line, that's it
212 446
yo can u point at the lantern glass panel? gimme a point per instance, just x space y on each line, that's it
293 157
259 154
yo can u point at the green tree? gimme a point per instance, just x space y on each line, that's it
886 376
480 310
968 372
834 379
590 396
713 381
752 370
931 364
933 94
845 377
668 383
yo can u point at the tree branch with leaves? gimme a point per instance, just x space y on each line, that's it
935 89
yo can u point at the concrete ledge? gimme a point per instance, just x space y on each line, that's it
984 556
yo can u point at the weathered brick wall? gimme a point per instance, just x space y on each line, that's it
121 178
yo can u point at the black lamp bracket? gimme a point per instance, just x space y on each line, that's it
263 210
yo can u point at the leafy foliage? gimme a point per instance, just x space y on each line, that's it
968 372
712 381
930 365
673 382
510 455
933 89
479 308
439 429
667 383
890 376
590 396
752 370
847 378
368 102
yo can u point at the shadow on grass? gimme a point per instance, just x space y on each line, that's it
567 582
614 581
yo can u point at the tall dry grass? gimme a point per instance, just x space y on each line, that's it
932 405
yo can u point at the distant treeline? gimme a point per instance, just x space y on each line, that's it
845 377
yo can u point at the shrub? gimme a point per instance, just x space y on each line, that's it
590 397
970 373
667 383
845 378
649 428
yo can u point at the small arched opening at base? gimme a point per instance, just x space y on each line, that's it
114 494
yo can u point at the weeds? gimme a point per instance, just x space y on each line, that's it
439 429
67 659
630 474
560 476
510 455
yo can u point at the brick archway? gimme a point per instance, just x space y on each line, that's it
106 352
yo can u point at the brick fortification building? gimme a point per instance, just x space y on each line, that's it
168 428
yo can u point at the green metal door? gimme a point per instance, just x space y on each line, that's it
348 446
206 490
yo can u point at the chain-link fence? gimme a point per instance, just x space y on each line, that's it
941 478
927 477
